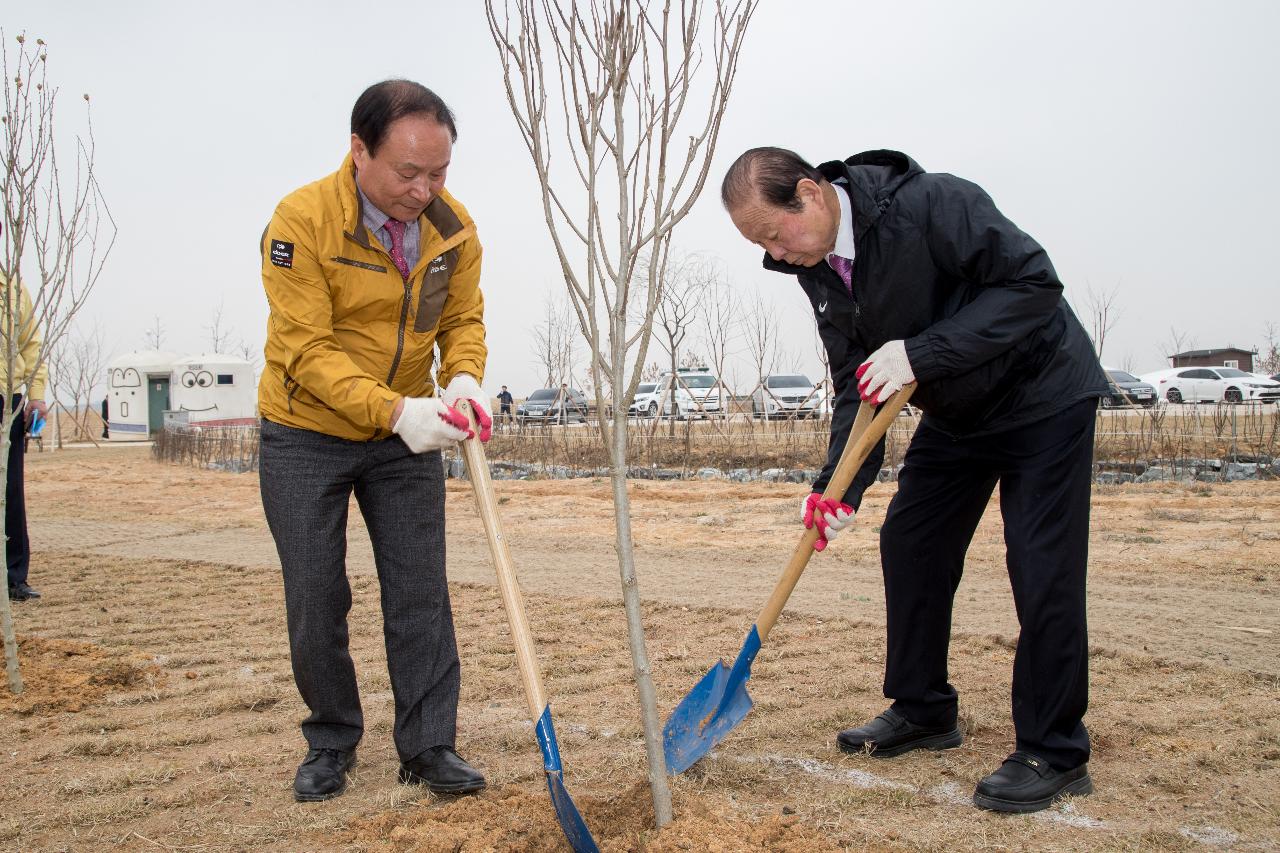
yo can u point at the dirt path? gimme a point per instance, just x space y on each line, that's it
161 711
1159 554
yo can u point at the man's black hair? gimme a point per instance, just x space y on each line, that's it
382 103
771 173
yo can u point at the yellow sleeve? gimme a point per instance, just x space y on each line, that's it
460 334
302 326
30 340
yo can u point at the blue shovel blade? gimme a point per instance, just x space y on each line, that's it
713 707
575 828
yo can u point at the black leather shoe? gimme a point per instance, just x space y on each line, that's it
322 775
892 734
22 592
1026 783
443 771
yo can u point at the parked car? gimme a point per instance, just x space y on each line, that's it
645 396
783 395
696 393
1211 385
1127 390
553 405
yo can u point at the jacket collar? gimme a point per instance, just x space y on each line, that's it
440 214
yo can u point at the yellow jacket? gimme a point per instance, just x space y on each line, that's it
27 352
346 336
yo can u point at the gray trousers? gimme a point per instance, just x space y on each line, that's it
307 479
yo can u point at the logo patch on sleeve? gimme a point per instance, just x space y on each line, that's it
282 253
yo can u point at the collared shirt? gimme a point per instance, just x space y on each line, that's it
375 219
844 231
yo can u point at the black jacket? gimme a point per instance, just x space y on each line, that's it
991 341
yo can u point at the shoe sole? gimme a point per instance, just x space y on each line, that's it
320 798
407 778
946 740
1078 788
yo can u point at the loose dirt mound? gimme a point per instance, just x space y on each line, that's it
511 820
65 675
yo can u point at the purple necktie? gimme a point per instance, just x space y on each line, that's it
396 229
844 267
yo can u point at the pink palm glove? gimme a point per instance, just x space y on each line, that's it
465 387
831 516
426 423
885 372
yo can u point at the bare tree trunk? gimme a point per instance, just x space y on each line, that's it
652 725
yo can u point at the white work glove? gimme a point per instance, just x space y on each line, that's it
885 372
465 387
426 423
831 516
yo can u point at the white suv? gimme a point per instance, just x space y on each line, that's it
789 395
697 392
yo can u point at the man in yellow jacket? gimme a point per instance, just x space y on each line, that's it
18 314
367 272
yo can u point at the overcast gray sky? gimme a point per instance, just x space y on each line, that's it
1135 140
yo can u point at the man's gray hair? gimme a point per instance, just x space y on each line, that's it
770 174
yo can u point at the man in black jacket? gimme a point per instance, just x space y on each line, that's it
917 277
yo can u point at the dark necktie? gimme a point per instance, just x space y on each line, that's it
844 267
396 229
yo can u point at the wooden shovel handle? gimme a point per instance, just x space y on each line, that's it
508 584
863 437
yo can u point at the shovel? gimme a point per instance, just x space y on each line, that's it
575 828
720 700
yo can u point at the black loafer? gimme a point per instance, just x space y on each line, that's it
322 775
443 771
1026 783
892 734
21 592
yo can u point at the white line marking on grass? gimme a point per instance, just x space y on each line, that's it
1210 836
947 793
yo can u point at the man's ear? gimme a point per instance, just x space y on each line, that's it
809 192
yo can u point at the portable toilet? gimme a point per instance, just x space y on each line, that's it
214 390
138 394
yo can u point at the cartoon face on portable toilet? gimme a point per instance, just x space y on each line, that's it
215 390
138 394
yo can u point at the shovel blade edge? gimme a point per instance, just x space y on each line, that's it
713 707
571 822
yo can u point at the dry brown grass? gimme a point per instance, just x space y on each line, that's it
1184 713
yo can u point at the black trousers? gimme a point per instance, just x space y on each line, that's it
307 479
1045 475
18 546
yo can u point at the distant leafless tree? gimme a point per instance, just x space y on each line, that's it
153 336
1267 361
720 318
760 332
76 368
249 352
220 335
683 284
628 121
555 341
57 235
1102 315
1177 342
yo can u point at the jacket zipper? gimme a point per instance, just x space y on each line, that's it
404 319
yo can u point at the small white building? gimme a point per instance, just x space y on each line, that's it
138 394
214 390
